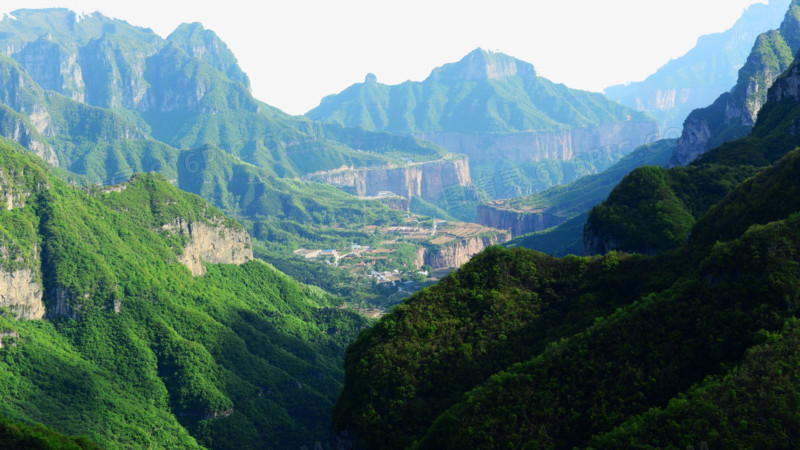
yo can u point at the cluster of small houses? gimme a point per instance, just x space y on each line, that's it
380 277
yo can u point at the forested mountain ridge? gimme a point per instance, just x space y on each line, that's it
687 347
119 100
521 349
509 95
151 350
521 132
654 209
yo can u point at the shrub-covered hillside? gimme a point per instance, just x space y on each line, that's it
134 350
695 344
522 350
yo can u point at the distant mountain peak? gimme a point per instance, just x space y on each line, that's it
205 44
482 64
371 79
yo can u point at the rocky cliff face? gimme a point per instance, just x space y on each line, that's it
110 64
459 253
787 87
733 114
427 180
483 148
17 128
20 281
21 293
53 66
483 65
113 76
211 243
517 222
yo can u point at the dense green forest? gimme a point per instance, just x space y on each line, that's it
150 206
692 345
38 437
654 209
519 349
151 356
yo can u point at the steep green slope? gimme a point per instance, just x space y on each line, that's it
135 351
653 210
638 358
766 376
503 307
20 436
521 350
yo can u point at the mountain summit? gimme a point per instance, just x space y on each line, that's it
483 65
484 92
204 44
512 124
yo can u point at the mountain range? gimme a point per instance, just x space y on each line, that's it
689 347
184 266
724 120
521 132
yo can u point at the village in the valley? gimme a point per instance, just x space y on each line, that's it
406 257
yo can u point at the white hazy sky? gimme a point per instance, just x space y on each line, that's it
298 51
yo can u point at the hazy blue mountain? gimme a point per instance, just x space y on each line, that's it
656 210
733 114
186 91
208 47
697 78
485 92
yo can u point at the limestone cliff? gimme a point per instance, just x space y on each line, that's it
211 243
787 87
21 293
18 128
428 180
516 221
460 252
20 282
484 148
54 67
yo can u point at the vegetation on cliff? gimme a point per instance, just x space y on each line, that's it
519 349
691 346
150 355
572 202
